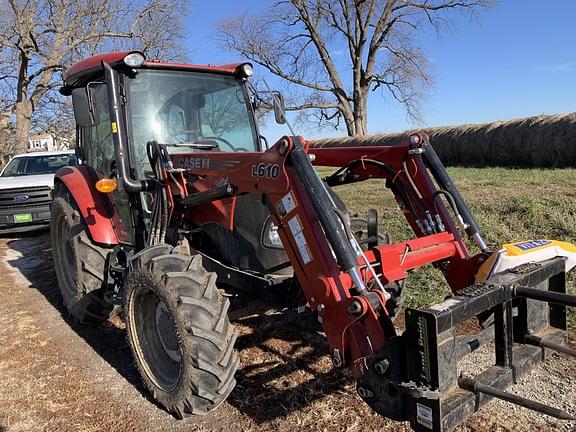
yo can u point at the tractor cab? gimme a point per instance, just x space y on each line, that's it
123 104
204 107
178 107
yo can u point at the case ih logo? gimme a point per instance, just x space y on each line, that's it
194 163
205 163
21 198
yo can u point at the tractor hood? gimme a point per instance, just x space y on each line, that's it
27 181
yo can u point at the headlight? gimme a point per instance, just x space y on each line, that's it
134 59
270 237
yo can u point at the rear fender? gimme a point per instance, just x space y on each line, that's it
96 207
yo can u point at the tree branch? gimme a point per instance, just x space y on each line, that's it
311 105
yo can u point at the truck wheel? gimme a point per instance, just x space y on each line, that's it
179 332
78 262
359 227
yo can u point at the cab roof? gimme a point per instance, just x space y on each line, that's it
85 70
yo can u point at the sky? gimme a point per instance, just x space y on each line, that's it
517 59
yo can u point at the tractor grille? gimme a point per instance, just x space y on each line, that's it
16 198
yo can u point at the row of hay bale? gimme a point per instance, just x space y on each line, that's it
541 141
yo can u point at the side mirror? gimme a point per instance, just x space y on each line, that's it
84 110
279 109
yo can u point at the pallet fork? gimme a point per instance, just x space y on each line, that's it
529 310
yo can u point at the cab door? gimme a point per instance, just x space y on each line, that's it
96 147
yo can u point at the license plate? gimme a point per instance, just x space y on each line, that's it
23 218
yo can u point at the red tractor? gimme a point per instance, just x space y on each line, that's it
178 197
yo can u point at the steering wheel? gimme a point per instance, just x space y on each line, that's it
222 140
182 132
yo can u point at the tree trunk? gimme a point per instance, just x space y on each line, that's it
4 127
23 111
350 125
360 113
347 112
23 107
4 136
360 121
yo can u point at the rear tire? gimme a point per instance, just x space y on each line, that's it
78 262
179 332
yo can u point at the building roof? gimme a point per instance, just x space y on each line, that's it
40 136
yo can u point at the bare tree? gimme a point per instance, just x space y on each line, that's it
338 51
6 102
39 38
54 116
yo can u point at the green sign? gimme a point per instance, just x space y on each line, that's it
23 218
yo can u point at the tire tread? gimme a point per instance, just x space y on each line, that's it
85 300
201 316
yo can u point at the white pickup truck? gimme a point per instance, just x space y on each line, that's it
26 184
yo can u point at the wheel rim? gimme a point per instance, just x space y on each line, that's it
155 340
166 334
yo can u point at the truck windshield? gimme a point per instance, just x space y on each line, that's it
182 107
33 165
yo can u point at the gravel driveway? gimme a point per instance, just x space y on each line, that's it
60 376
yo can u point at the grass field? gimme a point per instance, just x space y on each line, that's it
509 204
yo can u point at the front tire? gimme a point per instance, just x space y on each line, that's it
79 263
179 332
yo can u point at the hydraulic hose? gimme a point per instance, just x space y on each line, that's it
441 176
322 203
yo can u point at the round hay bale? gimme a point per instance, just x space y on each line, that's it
540 141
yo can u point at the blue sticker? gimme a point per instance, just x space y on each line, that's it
532 244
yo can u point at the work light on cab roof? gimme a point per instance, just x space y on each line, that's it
245 70
134 59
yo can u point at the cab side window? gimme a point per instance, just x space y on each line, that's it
97 142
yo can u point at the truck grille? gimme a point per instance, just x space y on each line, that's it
15 198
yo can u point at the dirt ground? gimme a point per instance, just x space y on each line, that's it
60 376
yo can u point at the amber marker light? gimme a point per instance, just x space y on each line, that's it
106 185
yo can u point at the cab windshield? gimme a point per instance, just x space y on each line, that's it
177 107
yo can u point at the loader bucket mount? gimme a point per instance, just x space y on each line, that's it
416 378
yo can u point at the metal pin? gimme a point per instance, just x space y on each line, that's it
405 254
547 296
476 387
538 341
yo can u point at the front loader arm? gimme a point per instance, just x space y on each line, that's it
310 232
344 285
339 283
